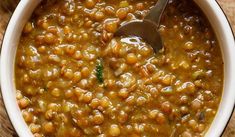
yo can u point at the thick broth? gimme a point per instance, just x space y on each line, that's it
73 78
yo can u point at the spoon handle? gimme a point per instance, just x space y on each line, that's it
156 12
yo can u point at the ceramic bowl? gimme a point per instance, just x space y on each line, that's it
211 9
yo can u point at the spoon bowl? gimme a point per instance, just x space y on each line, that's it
147 29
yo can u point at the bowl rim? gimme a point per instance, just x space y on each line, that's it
21 129
5 96
233 33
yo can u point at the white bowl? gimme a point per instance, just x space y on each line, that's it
210 8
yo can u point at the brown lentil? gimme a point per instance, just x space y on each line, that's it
114 130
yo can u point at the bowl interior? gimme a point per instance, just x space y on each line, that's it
23 13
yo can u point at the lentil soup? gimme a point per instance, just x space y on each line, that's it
73 78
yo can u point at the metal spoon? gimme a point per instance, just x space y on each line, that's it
147 29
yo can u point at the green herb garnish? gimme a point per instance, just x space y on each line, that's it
99 71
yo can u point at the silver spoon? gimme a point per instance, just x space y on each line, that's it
146 29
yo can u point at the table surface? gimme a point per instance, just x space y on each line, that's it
6 129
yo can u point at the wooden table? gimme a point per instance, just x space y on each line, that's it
6 129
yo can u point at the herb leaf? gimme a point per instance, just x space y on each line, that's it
99 71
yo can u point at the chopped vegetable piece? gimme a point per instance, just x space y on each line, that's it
201 116
198 74
124 4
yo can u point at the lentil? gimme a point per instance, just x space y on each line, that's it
114 130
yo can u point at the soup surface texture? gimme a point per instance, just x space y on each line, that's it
74 79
